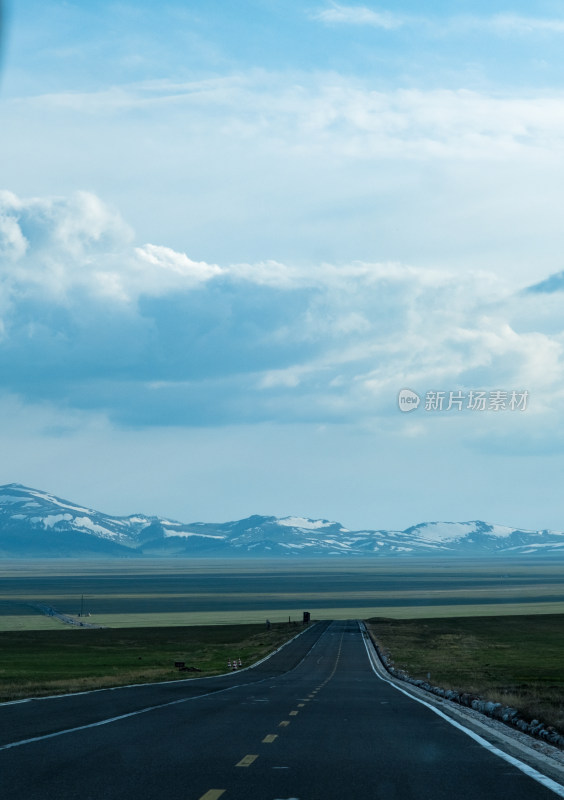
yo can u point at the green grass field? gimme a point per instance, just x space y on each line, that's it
514 660
36 663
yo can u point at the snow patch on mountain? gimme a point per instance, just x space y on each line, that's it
453 531
49 498
53 519
305 524
187 534
86 522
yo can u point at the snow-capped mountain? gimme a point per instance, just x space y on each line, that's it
35 524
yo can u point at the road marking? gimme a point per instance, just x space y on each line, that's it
246 761
112 719
294 713
530 771
301 705
284 723
270 738
213 794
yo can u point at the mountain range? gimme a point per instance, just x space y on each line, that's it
36 524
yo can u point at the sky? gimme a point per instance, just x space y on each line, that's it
235 237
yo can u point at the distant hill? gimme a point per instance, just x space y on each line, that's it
35 524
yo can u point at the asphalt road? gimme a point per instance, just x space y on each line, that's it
314 722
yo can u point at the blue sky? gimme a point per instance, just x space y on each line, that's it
230 234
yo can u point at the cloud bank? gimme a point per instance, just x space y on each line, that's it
334 115
91 320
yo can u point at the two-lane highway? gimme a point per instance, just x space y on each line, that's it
314 722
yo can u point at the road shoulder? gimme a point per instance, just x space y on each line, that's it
543 757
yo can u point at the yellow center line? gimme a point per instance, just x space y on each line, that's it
284 723
270 738
336 662
294 713
301 705
246 761
213 794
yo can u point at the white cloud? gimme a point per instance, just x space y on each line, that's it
54 247
12 241
169 263
497 24
514 23
268 273
358 15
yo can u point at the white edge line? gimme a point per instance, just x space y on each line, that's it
21 742
111 719
528 770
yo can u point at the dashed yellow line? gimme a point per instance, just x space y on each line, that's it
246 761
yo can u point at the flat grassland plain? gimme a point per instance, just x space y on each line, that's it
206 592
